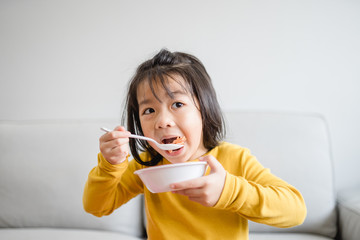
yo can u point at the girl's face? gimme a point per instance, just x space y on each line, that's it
170 118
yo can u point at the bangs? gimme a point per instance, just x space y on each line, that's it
158 78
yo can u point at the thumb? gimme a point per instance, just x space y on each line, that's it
213 163
119 128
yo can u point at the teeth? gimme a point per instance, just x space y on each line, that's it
170 151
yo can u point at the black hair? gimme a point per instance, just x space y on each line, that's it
158 70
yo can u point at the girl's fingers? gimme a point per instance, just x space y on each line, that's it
119 132
120 128
205 190
213 163
190 184
215 167
192 192
114 145
118 152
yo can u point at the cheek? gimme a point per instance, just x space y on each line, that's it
147 128
198 122
194 129
144 126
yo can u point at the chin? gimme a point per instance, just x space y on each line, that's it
177 160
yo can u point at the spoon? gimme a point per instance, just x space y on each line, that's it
159 145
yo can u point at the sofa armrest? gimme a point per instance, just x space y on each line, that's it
349 213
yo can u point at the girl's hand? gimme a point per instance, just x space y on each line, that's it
205 190
114 145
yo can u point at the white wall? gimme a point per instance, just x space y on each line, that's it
72 59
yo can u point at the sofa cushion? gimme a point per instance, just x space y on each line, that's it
296 148
43 169
61 234
349 211
286 236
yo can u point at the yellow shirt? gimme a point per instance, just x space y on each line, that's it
250 192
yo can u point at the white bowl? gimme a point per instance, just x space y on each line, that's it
158 179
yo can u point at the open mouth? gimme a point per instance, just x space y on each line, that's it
174 140
169 140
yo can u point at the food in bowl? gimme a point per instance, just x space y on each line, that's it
158 179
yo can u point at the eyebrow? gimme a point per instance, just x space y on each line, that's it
170 94
144 102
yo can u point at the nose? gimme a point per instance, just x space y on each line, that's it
164 120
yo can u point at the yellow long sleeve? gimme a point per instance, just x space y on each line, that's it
258 195
250 192
109 186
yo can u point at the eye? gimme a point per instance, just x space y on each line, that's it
148 111
177 105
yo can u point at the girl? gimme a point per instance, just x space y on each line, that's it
170 96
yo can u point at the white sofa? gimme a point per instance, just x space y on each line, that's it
44 166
